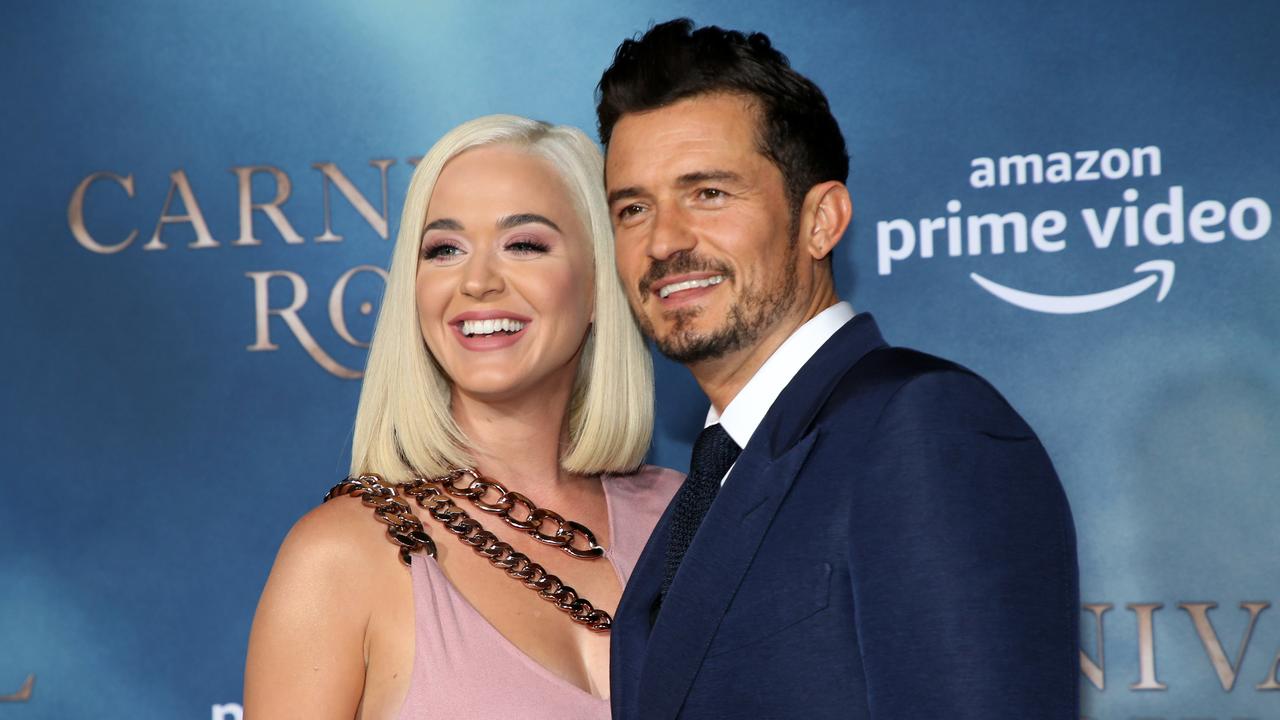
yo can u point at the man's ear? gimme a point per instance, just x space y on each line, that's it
824 216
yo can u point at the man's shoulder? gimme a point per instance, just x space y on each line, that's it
900 390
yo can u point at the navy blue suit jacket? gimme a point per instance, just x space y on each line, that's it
893 542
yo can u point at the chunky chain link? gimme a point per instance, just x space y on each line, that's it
406 531
476 488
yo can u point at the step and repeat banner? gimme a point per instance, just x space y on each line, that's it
1076 200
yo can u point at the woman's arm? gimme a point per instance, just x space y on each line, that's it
307 650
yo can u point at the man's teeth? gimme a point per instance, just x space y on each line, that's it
471 328
689 285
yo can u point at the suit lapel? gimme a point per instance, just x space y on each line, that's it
731 533
630 637
709 576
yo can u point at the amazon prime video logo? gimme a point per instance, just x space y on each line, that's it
1167 223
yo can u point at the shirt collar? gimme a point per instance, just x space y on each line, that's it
748 408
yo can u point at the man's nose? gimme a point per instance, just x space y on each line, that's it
671 233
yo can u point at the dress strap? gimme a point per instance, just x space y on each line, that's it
403 527
406 530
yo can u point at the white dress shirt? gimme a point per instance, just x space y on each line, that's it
748 408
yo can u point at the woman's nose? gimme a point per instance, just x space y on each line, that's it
481 276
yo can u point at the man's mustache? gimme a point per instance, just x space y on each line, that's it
678 264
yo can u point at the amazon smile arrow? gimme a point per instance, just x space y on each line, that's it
1160 271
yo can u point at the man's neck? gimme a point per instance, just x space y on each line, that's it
724 377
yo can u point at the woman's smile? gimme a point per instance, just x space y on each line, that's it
481 331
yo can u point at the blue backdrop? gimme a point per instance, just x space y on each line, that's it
168 417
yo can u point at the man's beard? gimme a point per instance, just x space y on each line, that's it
755 310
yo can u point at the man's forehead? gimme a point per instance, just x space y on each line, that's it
726 111
679 138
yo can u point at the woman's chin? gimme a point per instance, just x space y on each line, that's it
501 388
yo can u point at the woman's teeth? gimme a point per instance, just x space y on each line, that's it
689 285
471 328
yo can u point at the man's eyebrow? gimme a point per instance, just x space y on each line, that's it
702 176
518 219
443 224
626 192
685 180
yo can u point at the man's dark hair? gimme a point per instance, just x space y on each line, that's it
672 62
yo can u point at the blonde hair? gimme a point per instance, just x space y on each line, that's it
404 427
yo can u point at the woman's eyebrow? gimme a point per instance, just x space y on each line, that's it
511 221
443 224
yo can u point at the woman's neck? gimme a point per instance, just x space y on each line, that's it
518 441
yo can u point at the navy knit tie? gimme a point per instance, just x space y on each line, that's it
713 454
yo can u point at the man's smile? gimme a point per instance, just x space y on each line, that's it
676 290
670 289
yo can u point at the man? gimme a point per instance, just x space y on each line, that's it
866 531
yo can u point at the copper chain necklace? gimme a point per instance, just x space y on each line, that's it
405 530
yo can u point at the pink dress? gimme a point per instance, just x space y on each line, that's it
452 639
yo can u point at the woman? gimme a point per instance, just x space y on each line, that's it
504 344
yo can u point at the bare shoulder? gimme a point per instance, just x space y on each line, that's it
340 535
308 646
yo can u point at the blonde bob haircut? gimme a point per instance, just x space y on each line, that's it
404 427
